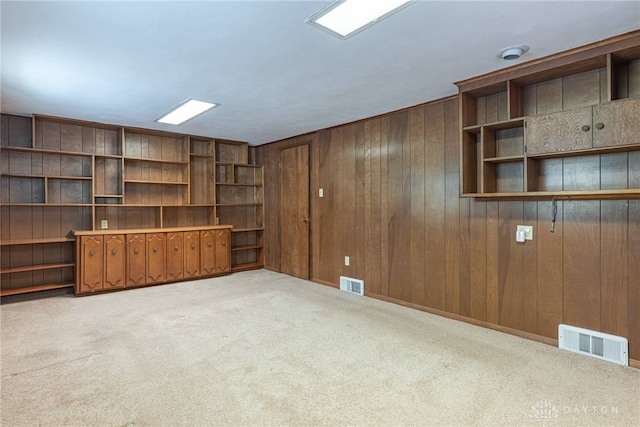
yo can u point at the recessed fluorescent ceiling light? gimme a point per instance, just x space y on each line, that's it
345 18
186 111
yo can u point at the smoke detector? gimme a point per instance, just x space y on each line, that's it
513 52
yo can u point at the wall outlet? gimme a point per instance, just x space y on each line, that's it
346 260
217 220
104 224
528 231
321 192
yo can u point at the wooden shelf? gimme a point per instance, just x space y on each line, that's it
18 175
205 156
37 288
506 159
36 241
622 194
142 181
108 196
37 267
230 205
248 266
246 229
44 151
246 248
501 125
237 184
167 162
52 205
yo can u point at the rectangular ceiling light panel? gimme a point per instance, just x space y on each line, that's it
186 111
345 18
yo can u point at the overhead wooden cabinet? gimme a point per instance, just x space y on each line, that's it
109 260
562 128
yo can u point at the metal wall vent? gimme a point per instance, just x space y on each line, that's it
595 344
355 286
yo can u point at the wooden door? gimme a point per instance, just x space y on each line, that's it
558 132
207 252
91 264
294 211
136 259
223 252
617 123
191 254
114 261
175 256
155 258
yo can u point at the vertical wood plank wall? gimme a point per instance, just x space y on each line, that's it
391 203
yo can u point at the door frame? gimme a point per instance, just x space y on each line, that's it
308 143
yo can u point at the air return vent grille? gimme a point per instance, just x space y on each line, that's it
354 286
595 344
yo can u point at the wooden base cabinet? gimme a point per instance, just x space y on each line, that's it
102 263
110 260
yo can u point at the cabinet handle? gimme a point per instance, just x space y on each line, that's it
91 253
208 244
135 251
113 251
175 248
599 125
193 246
586 128
155 249
223 243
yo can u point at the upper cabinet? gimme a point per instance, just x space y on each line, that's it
565 126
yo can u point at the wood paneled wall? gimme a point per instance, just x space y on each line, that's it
391 203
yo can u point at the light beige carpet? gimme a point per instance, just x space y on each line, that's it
260 348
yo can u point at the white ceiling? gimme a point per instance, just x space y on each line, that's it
127 63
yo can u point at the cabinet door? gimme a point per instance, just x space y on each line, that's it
617 123
559 132
175 255
91 264
136 259
191 254
156 258
207 252
114 261
223 251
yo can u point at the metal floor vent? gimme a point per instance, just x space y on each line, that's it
595 344
354 286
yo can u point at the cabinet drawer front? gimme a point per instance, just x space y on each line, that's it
175 255
559 132
191 254
156 258
223 251
207 252
114 262
136 256
91 262
617 123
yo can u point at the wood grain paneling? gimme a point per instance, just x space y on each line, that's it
391 202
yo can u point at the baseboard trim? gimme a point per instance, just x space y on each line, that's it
322 282
522 334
